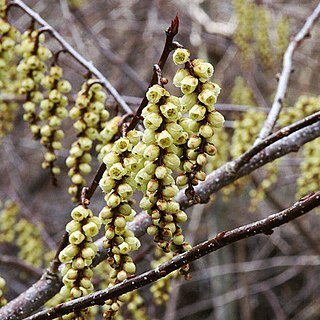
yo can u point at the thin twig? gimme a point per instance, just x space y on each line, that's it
88 65
264 226
285 74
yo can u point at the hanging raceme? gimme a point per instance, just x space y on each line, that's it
31 70
90 117
29 242
8 220
9 36
53 111
200 122
78 255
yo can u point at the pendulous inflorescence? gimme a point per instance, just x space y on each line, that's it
90 116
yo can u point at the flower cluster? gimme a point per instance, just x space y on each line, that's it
79 254
118 185
32 69
9 36
200 95
90 116
161 157
53 111
264 47
107 137
3 300
29 242
8 219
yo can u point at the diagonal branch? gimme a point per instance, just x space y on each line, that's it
77 56
285 74
264 226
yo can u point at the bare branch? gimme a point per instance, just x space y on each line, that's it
264 226
85 63
285 74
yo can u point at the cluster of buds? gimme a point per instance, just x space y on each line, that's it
53 111
79 254
8 219
9 36
29 242
7 116
90 115
246 130
107 136
264 47
31 70
136 306
244 33
3 300
200 96
118 185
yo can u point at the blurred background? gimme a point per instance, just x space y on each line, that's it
265 277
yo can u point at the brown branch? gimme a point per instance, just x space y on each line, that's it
285 74
264 226
88 65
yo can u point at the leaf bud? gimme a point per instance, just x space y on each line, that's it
78 263
201 175
180 56
170 191
210 149
109 234
181 216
